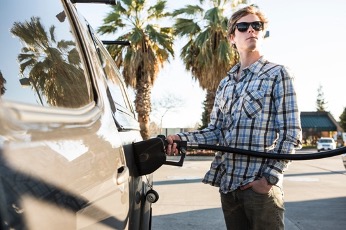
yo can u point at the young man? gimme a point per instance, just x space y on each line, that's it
255 108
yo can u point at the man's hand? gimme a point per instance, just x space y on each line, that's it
172 147
260 186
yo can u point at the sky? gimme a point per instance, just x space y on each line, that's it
307 36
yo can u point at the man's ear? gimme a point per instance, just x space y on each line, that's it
231 39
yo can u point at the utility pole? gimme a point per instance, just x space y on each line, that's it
162 119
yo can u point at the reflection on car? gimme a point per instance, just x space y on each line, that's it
67 125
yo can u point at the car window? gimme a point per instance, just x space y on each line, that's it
116 86
43 65
326 141
123 109
123 114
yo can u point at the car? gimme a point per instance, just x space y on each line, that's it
326 143
68 125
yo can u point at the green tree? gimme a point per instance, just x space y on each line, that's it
320 102
52 67
207 53
205 117
343 119
151 46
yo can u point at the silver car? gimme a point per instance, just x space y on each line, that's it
67 125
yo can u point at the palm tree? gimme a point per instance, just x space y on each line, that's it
51 67
207 53
151 46
2 84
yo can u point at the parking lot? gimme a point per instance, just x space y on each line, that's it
315 195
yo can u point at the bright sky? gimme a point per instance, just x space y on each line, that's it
308 36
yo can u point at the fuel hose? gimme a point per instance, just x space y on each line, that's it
305 156
150 154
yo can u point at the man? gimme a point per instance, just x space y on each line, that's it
255 108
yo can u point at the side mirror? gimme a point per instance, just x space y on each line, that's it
123 43
110 2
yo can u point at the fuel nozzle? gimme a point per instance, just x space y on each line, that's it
151 154
182 149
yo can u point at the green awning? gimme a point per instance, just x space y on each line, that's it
317 121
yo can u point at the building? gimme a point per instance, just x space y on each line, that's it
319 124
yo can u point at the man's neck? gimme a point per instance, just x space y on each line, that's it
248 58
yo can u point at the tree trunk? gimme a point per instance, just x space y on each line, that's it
143 107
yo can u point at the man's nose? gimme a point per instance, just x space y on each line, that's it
250 29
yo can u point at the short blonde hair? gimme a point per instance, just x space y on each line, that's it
252 9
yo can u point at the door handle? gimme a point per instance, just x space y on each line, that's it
122 175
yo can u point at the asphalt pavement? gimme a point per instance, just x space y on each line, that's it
315 196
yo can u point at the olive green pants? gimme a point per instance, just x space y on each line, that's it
248 210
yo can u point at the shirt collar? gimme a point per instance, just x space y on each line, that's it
254 67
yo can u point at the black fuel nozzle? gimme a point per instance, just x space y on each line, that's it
151 154
181 145
182 148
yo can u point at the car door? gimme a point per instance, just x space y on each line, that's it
62 162
129 131
139 215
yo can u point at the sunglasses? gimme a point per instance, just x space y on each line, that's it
244 26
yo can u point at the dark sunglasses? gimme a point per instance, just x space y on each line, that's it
244 26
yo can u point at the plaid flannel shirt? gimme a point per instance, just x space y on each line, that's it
259 112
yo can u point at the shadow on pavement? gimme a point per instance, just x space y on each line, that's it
319 214
181 181
205 219
323 214
314 173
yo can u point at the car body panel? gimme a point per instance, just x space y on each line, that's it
64 126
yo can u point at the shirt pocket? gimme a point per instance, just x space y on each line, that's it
223 105
225 110
253 103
